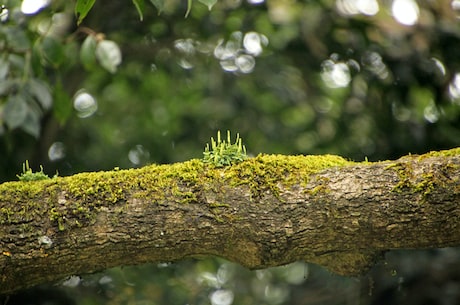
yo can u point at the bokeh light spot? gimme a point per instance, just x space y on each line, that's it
405 11
245 63
454 87
85 104
439 65
72 282
431 113
373 62
253 43
4 13
455 4
56 151
221 297
256 2
30 7
139 155
354 7
335 75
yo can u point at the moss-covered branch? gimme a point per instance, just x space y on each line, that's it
265 211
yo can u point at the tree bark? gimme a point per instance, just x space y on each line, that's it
266 211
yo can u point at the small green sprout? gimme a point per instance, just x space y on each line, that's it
29 175
223 153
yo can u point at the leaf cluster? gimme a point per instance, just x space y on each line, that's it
26 58
224 153
83 7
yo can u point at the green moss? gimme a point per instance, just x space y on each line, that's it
20 193
426 183
441 153
424 186
404 171
267 172
74 201
318 189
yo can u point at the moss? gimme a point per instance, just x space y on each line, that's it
426 183
75 200
83 194
266 172
20 193
407 181
404 171
441 153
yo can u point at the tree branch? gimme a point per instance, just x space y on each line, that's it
267 211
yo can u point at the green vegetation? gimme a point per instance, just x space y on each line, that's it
224 153
28 175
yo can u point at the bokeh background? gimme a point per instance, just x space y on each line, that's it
367 80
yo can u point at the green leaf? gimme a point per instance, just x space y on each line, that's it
139 4
62 104
52 51
88 52
40 91
8 85
4 68
17 62
208 3
189 8
31 124
17 39
82 8
15 111
159 4
109 55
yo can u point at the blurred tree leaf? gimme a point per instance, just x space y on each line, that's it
62 108
82 9
52 51
17 63
40 91
159 4
140 5
208 3
7 85
88 52
4 68
189 8
31 123
15 111
109 55
16 39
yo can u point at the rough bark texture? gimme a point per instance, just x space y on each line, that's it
266 211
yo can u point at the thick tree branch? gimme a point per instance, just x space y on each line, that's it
266 211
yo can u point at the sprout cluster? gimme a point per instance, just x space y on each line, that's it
29 175
223 153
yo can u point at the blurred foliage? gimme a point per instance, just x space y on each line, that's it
134 84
